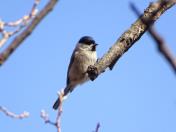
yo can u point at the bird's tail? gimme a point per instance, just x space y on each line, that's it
57 102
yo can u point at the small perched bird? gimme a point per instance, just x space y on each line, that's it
83 56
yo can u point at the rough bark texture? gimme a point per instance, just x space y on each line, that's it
128 38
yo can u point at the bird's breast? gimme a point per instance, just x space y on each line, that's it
79 67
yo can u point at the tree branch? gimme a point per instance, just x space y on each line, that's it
162 46
97 127
18 24
13 115
128 38
45 115
21 37
163 49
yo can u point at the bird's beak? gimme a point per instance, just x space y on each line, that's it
95 45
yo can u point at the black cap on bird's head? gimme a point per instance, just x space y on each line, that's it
87 40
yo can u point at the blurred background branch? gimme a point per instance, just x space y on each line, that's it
45 116
13 115
29 29
162 46
97 127
18 25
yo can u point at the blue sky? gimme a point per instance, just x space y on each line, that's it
137 96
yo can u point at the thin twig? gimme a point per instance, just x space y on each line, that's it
58 119
162 46
128 38
44 115
22 36
18 24
97 127
13 115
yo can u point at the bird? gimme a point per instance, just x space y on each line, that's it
83 56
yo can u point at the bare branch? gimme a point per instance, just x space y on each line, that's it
58 119
19 24
128 38
163 49
22 36
162 46
13 115
97 127
44 115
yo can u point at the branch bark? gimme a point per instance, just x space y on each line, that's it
128 38
21 37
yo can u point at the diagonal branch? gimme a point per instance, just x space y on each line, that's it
18 25
97 127
163 49
162 46
128 38
21 37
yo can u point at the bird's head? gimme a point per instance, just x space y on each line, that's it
87 42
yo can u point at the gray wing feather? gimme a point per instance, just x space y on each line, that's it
71 62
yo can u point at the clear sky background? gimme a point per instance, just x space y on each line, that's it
139 95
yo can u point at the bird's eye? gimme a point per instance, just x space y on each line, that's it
88 43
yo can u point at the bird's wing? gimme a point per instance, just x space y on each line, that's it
71 62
